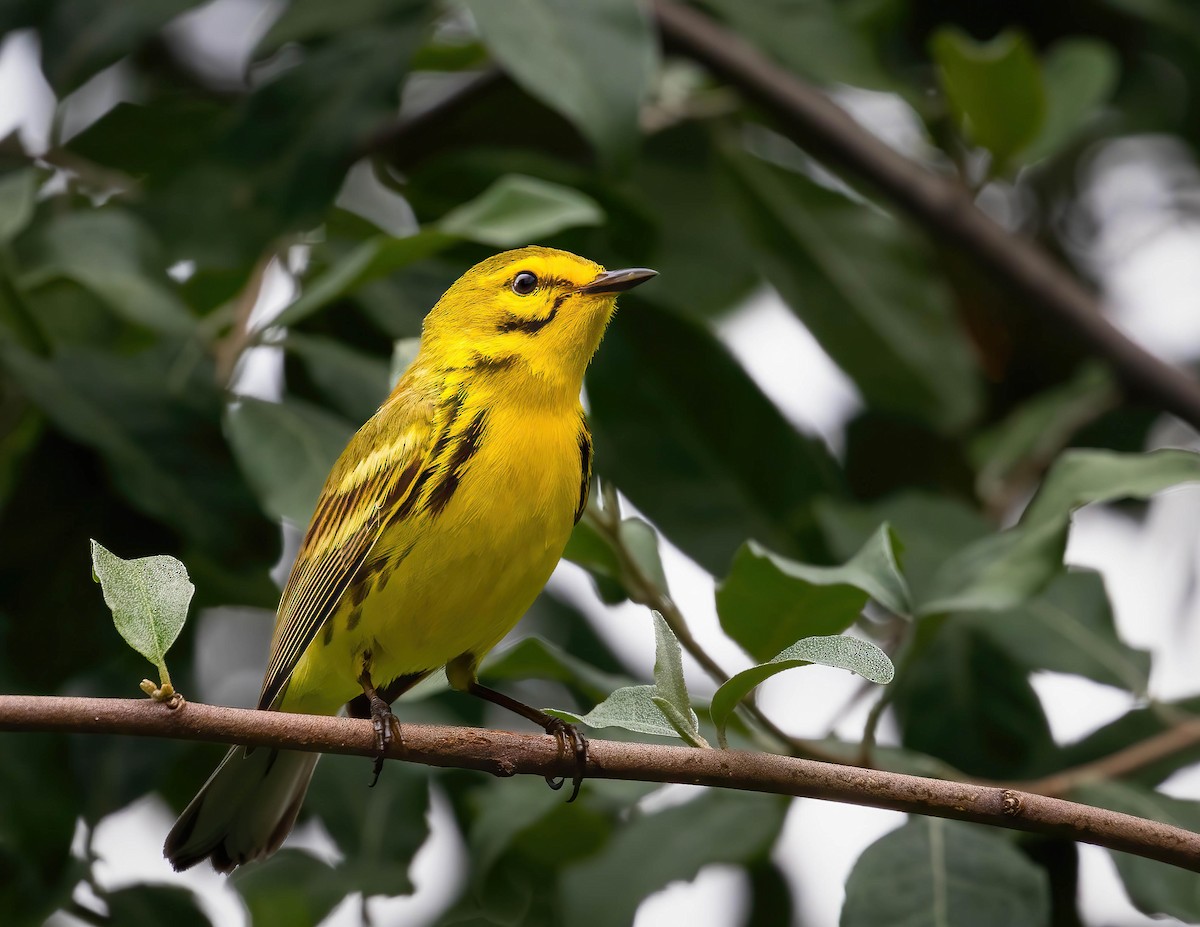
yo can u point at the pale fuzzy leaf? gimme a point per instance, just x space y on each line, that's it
668 667
839 651
631 708
148 597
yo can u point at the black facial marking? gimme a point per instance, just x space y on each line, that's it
514 323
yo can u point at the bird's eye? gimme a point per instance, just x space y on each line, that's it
524 283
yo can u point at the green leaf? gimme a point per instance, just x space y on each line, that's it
671 694
663 709
286 450
931 527
354 382
295 889
964 700
817 38
1069 628
518 210
535 658
145 905
994 89
1005 569
1133 727
1080 75
76 42
696 446
768 601
1037 430
848 653
378 830
112 254
1154 888
697 244
937 873
375 258
632 708
864 285
718 827
18 192
592 550
148 598
513 211
592 63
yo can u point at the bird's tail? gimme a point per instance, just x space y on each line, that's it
244 811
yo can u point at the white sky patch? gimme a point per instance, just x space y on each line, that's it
26 100
790 366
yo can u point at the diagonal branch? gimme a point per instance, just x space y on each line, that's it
506 754
811 119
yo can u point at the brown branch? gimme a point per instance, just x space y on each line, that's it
1182 736
811 119
506 754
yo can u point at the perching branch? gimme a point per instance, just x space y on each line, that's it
811 119
506 754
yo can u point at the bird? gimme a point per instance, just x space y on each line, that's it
437 527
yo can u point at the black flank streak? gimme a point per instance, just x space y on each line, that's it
514 323
327 638
468 445
354 618
585 466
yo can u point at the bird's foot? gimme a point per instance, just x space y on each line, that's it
387 732
566 733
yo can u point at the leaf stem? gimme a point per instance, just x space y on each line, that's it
644 591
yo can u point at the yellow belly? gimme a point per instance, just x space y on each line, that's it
467 574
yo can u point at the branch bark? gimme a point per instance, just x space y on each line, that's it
811 119
506 754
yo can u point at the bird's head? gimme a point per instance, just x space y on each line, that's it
530 312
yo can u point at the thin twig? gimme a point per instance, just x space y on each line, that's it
811 119
1123 763
507 754
645 591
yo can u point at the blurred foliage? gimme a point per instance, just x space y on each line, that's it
339 164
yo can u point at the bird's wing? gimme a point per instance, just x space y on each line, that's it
375 481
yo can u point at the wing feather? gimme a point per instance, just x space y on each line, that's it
365 491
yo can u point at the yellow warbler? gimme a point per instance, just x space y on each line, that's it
438 526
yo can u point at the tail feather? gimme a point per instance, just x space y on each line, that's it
244 811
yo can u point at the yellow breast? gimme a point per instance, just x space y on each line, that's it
455 575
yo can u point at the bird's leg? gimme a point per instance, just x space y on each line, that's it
562 731
387 728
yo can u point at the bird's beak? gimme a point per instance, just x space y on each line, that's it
616 281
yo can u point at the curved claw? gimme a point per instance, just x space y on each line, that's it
387 732
563 732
